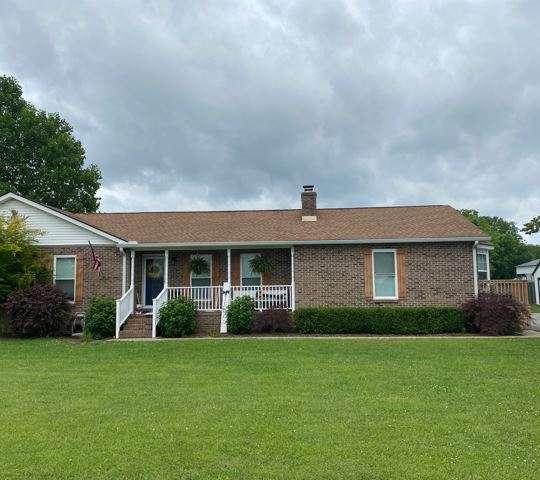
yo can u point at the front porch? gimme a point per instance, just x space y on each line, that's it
152 277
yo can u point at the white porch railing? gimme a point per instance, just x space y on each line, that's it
266 296
124 308
157 303
206 298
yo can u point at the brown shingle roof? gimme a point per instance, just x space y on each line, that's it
375 223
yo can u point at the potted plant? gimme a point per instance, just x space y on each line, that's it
260 264
199 265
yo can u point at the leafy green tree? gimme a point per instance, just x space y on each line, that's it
532 227
534 251
21 262
509 248
39 157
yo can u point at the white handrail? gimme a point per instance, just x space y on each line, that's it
157 303
124 308
266 296
205 298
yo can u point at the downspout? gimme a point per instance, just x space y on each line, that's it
475 269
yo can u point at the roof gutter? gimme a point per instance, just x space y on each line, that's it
150 245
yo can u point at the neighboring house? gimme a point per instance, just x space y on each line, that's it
530 271
414 256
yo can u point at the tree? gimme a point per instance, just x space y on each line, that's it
532 227
509 248
39 157
21 262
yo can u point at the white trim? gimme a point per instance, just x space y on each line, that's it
293 293
475 271
132 269
143 280
229 266
124 270
384 250
485 253
56 213
166 272
55 257
242 273
275 244
206 256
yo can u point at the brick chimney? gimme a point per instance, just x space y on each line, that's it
309 204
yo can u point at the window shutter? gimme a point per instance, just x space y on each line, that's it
368 275
48 263
79 278
216 273
401 273
184 270
235 269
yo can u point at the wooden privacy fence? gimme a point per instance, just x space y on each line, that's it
517 289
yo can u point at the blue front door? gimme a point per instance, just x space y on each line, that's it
153 278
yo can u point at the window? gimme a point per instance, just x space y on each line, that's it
64 274
384 274
482 265
203 279
248 276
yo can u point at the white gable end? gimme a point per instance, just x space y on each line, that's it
56 231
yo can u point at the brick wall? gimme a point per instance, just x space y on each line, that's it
106 284
436 274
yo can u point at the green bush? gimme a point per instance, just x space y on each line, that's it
100 318
381 320
240 315
177 318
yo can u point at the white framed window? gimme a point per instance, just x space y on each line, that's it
248 277
385 285
64 274
482 265
203 279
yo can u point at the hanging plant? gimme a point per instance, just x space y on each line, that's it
260 264
153 270
199 265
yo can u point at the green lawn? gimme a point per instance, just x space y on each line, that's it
266 409
535 308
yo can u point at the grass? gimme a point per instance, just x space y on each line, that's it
270 409
534 308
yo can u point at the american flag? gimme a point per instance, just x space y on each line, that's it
96 260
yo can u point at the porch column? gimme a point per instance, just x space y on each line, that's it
293 288
226 296
229 266
132 271
124 271
166 272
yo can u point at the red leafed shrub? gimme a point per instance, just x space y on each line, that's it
492 314
38 311
274 320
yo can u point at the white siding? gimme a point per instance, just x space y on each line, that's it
56 231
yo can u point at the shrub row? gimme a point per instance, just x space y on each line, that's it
42 310
380 320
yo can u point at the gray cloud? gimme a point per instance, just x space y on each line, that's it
216 104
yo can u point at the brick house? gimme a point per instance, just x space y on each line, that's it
415 255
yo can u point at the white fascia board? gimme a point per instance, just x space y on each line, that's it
218 245
58 214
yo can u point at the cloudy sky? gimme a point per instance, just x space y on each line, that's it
236 104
